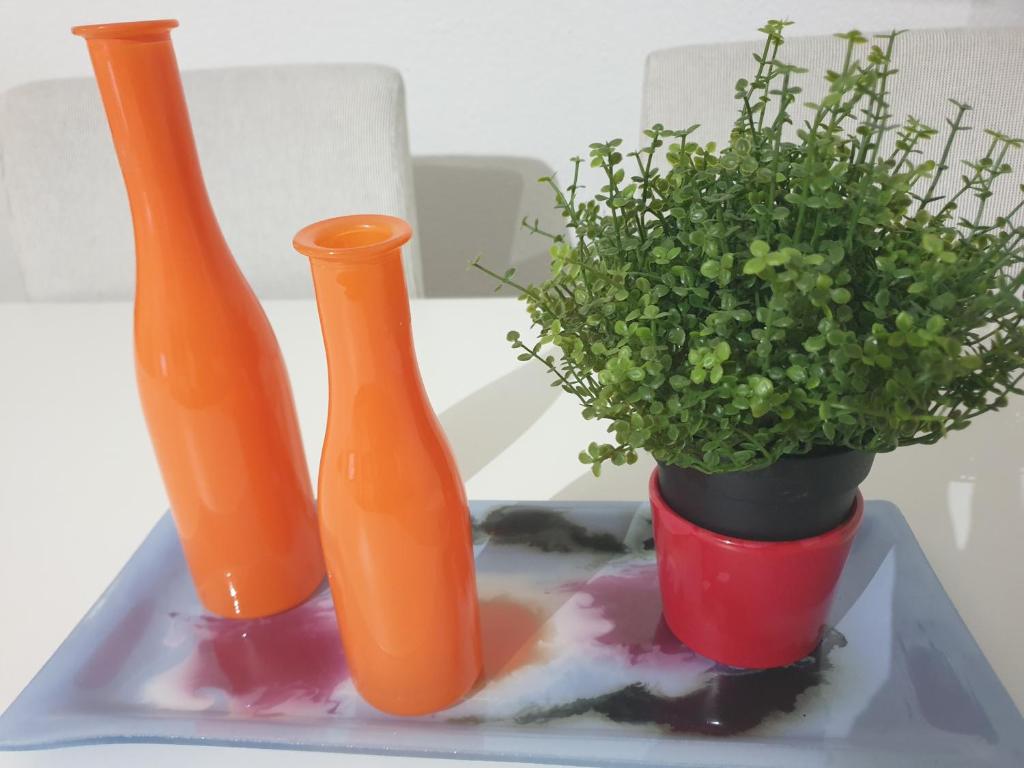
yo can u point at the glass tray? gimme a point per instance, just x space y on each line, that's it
580 668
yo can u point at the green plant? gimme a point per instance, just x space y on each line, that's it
782 293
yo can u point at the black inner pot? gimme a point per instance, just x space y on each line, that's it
796 497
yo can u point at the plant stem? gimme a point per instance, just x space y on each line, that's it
944 158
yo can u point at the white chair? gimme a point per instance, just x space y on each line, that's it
982 67
280 147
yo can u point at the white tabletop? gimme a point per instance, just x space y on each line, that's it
79 486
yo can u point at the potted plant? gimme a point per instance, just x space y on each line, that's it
763 318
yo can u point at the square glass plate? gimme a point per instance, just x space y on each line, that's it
580 668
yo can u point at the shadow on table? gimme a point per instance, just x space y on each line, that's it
615 483
483 424
469 207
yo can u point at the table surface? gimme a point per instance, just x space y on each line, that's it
79 487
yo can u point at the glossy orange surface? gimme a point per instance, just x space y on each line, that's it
393 516
211 378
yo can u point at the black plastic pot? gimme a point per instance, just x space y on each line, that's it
794 498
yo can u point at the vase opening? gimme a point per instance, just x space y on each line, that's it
138 31
348 238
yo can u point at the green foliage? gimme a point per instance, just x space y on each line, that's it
776 295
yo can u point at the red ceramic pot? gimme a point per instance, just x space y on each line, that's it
754 604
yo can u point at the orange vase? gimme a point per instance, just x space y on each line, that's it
211 378
393 517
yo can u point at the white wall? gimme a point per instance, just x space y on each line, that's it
530 78
521 86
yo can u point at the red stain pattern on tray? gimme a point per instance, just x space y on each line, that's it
630 601
264 663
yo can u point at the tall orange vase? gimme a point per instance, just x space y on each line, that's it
211 378
393 517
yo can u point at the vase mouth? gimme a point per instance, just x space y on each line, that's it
138 31
352 238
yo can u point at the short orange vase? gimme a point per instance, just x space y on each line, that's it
211 378
394 522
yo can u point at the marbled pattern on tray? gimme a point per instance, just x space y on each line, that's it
576 651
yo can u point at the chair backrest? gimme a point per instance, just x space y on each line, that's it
982 67
280 147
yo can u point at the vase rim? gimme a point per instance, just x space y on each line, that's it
126 30
352 238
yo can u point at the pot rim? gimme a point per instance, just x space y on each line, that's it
832 538
826 452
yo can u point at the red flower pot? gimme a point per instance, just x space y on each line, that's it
744 603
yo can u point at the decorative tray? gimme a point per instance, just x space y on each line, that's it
580 668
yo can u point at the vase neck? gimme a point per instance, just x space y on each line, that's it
149 121
364 316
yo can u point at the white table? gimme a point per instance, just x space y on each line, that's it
79 487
